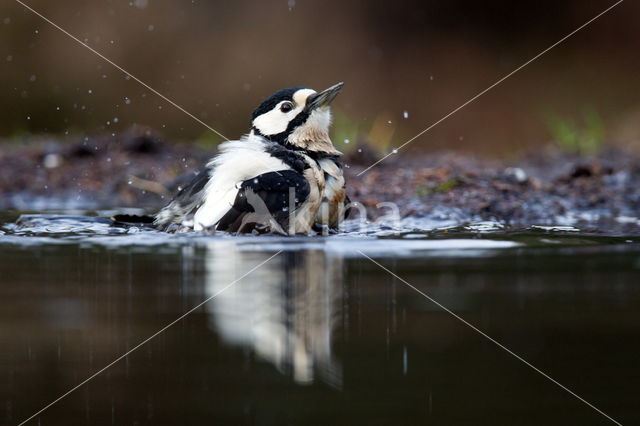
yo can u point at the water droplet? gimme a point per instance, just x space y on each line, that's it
6 21
140 4
405 114
347 141
89 91
51 161
127 100
151 28
116 119
359 149
32 78
394 151
405 360
389 122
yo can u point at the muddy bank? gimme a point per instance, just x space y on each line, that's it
544 187
140 169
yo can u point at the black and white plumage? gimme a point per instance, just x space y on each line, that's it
284 176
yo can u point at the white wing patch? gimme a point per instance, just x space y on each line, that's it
237 162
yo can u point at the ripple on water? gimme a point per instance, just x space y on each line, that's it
404 238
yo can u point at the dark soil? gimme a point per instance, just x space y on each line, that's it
139 169
542 188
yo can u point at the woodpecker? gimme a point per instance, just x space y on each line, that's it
284 176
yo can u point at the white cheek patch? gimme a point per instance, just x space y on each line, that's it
275 121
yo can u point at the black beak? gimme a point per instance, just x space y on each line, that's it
323 98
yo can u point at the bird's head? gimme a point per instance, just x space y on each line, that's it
297 117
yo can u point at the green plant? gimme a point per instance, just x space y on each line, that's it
584 136
208 140
346 132
378 132
447 185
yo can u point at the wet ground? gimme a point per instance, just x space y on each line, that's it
139 169
319 334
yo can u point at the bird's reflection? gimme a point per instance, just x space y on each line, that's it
285 311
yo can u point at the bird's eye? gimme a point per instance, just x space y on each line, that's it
286 107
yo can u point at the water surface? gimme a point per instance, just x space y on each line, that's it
319 334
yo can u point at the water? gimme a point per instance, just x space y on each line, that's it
319 334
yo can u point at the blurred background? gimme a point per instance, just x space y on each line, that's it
406 63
